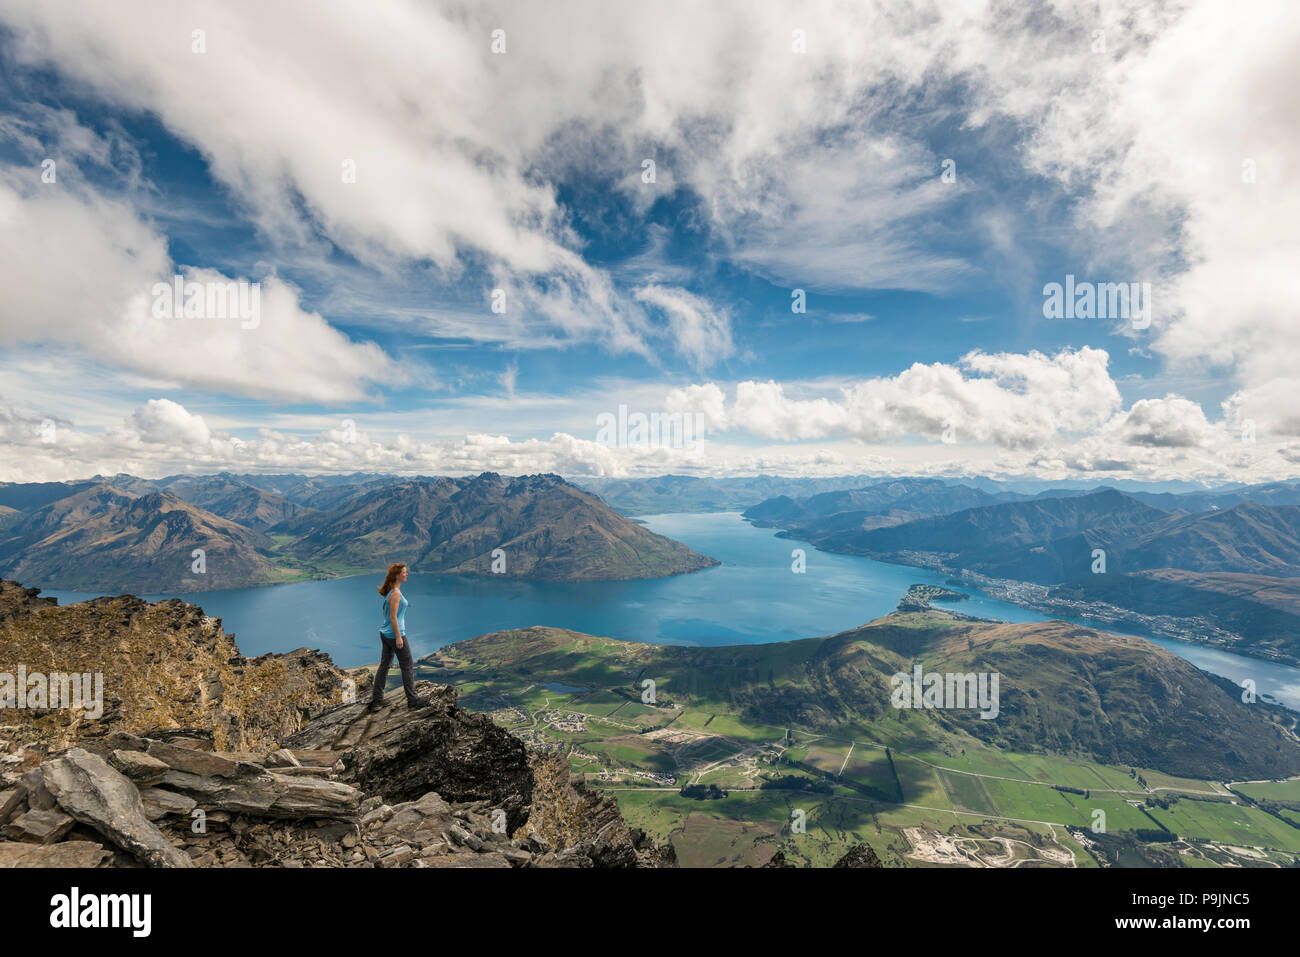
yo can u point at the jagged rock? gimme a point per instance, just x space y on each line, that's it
422 823
175 674
860 855
567 814
79 854
397 856
159 803
39 797
201 763
322 760
431 805
301 772
604 853
268 794
283 758
10 801
196 730
403 754
572 857
87 788
15 762
193 739
39 827
125 741
464 838
333 832
381 813
516 856
141 768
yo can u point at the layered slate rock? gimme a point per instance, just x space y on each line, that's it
40 826
402 754
141 768
267 794
88 789
80 854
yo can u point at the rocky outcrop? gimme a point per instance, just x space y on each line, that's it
266 794
203 757
568 814
433 787
166 667
403 754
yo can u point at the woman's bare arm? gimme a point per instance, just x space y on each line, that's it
394 597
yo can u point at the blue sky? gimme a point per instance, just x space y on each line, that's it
800 148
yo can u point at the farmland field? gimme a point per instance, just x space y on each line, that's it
920 795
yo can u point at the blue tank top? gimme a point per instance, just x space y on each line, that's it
386 623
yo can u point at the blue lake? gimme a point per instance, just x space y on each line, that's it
753 597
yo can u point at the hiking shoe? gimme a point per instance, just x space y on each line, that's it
374 705
416 703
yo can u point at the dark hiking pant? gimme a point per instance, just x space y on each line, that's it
404 662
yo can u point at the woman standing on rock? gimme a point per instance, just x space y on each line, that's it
392 635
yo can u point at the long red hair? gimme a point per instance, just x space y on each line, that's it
394 572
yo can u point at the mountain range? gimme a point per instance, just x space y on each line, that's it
1226 560
1050 540
199 533
547 529
101 539
843 512
693 493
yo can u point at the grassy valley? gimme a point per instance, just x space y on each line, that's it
735 741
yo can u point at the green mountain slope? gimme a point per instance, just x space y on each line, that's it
1063 689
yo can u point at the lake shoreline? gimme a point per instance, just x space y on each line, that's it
762 592
1107 617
